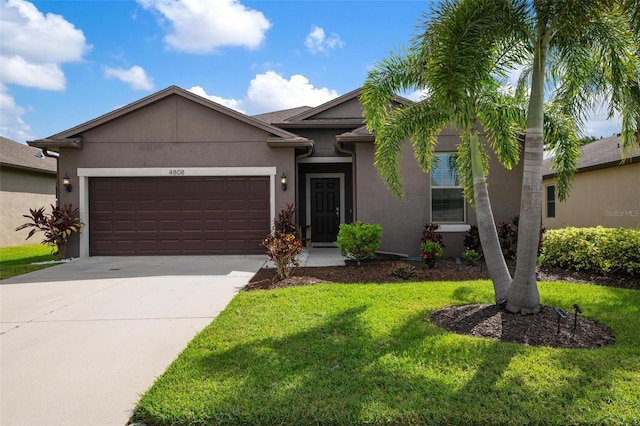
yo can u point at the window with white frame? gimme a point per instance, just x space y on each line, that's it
447 203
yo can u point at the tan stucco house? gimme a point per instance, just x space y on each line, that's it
175 173
605 190
27 181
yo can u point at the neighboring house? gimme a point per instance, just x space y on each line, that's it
175 173
605 190
27 181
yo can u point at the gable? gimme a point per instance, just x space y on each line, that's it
174 119
172 114
349 109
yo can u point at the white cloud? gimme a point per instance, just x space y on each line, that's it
135 76
318 42
34 45
416 95
230 103
271 92
598 124
47 76
202 26
12 125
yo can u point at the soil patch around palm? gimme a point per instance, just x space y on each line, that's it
545 328
483 320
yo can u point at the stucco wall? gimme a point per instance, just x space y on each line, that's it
608 197
403 220
21 190
175 133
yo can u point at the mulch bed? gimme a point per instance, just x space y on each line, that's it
541 329
447 270
483 320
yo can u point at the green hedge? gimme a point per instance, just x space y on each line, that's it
602 250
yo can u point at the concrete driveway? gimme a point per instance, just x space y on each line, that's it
81 341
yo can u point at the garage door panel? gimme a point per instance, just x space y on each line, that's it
147 206
209 215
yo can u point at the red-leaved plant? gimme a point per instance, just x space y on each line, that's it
283 251
57 226
283 247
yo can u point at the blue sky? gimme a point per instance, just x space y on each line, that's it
65 62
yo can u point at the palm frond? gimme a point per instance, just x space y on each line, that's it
392 75
419 122
561 137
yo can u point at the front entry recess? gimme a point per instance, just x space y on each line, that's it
325 209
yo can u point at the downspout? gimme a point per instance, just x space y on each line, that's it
46 153
310 151
341 150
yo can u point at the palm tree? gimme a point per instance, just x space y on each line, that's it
588 46
482 107
585 50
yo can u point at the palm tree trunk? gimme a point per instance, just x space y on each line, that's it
496 264
523 295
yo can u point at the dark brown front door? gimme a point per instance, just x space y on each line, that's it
188 215
325 209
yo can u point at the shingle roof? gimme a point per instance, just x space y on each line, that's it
17 155
282 115
602 153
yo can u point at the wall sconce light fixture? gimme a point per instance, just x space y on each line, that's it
283 181
66 182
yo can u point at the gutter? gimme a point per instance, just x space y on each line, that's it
340 149
46 153
310 150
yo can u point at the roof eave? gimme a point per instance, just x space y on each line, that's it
56 143
289 143
355 138
344 124
30 169
607 165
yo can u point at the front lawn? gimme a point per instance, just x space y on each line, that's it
18 260
368 354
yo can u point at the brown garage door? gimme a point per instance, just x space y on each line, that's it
188 215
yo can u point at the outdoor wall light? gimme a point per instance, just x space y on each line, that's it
283 181
66 182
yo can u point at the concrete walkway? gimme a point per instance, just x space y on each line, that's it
80 342
321 256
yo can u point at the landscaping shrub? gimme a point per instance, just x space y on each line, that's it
283 247
57 226
508 236
283 251
430 234
431 253
284 223
359 241
601 250
472 242
402 270
472 239
470 256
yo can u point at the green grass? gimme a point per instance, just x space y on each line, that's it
367 354
17 260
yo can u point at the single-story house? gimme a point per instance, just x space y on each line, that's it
605 190
27 181
175 173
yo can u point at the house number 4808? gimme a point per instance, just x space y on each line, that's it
176 172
